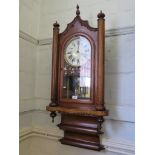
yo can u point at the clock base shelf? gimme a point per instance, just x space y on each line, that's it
77 111
81 131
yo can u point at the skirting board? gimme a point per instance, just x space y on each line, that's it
113 145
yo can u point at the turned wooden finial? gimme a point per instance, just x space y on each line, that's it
101 15
56 24
77 11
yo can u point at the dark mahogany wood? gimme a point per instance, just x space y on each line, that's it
81 119
55 61
100 63
77 111
81 131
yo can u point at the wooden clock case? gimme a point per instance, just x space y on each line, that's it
81 120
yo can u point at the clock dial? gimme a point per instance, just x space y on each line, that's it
78 51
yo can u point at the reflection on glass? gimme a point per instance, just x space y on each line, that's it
77 69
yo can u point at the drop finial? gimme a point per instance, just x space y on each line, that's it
77 11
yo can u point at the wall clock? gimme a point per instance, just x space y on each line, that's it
77 84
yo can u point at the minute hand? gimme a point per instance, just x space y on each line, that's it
78 46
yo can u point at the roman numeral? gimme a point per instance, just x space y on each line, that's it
69 52
73 60
78 42
70 57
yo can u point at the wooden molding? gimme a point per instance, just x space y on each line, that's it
28 37
77 111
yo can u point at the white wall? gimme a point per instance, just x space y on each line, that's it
29 16
119 13
35 68
29 19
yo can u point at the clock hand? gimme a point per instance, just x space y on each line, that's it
78 46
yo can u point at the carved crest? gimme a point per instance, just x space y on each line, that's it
78 19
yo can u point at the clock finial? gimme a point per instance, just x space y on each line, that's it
101 15
77 11
56 24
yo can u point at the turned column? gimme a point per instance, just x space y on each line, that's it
55 53
101 53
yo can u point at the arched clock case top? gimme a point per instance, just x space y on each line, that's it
77 88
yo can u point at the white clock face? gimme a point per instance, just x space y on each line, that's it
78 51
